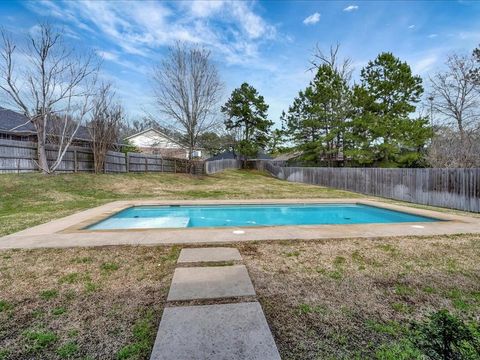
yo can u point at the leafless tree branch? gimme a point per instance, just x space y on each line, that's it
52 88
187 90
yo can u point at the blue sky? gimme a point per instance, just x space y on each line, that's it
267 44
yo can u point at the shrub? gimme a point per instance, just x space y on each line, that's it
444 336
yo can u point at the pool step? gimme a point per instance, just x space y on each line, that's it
232 331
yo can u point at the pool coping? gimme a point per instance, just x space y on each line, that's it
69 232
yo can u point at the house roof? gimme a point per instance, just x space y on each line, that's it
288 156
158 132
15 123
12 121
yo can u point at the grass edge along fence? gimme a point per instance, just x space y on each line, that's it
21 156
444 187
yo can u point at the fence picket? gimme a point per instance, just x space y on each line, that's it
450 188
21 156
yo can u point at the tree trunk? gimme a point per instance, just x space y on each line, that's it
42 158
41 150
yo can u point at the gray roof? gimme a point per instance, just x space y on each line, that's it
11 121
15 123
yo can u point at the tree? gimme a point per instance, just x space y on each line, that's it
214 143
105 125
54 90
276 144
456 96
446 150
246 114
475 75
455 99
187 89
381 131
315 122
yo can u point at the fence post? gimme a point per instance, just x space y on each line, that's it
75 161
127 163
161 164
146 164
175 166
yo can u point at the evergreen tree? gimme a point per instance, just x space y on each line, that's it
246 114
381 132
476 71
315 122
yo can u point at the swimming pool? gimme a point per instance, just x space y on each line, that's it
175 216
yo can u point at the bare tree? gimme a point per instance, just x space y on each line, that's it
342 66
105 125
446 149
455 100
187 90
455 96
51 85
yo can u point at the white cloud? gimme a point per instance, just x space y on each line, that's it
350 8
205 8
432 36
467 35
107 55
411 26
424 64
253 25
140 28
312 19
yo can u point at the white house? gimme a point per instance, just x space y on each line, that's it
155 142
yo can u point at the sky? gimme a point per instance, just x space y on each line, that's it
266 43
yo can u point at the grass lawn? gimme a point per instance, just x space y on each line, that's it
358 298
32 199
325 299
96 303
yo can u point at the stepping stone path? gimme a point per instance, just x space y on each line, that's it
214 282
233 331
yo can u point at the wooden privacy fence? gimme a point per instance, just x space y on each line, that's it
21 156
450 188
215 166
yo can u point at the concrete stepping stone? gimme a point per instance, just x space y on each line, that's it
210 254
194 283
214 332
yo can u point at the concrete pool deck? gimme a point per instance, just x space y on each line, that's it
68 231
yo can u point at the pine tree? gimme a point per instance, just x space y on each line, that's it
315 122
246 113
381 132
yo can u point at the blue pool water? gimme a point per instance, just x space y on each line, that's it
143 217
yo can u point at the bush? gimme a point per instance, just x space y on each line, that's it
444 336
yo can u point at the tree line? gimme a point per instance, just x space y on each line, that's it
385 118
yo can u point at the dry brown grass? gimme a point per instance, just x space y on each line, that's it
344 299
327 299
99 303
